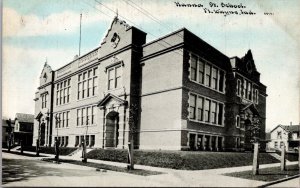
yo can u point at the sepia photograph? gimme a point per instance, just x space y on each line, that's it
162 93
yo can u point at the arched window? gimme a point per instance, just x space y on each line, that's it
237 122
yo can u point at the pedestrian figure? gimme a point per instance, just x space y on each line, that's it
84 159
56 149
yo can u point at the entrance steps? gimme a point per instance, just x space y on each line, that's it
17 148
277 156
78 153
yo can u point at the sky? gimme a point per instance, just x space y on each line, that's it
36 31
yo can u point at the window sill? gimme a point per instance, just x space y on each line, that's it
222 92
87 98
207 123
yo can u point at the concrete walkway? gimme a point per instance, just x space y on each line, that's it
179 178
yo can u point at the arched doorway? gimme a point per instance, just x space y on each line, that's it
43 127
112 129
248 134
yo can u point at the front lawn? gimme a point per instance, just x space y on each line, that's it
267 174
185 160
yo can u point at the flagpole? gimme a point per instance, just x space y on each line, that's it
80 35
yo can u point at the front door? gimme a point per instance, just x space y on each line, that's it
112 129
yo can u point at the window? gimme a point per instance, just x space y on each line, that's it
220 114
44 100
200 108
238 87
63 92
237 121
86 115
255 96
275 145
214 112
203 109
192 106
93 114
281 144
204 73
67 141
92 140
87 84
221 81
207 110
201 72
194 68
114 77
87 140
249 91
76 141
214 84
63 119
207 75
279 135
245 89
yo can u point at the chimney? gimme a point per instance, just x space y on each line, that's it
290 123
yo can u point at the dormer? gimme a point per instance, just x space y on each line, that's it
46 75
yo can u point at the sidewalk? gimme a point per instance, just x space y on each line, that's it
172 177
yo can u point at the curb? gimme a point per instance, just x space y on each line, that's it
279 181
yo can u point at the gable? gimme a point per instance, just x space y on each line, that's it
46 74
111 100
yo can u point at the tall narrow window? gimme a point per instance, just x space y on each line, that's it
221 81
245 89
256 96
93 114
238 121
63 92
193 68
192 106
214 78
88 115
201 72
78 117
111 75
67 119
207 75
118 77
249 91
214 112
83 116
200 108
220 114
207 110
238 87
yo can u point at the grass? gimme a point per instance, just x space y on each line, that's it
267 174
50 150
107 167
185 160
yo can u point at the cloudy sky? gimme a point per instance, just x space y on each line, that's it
35 30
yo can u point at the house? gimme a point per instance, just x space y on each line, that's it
175 93
23 130
288 135
7 131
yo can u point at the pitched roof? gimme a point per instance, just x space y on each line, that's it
28 118
289 128
294 128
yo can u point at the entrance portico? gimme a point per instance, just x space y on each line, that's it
44 136
115 129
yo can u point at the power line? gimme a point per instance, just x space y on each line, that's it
137 26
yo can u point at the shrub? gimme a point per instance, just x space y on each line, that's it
182 159
50 150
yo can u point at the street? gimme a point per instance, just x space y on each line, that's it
21 170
